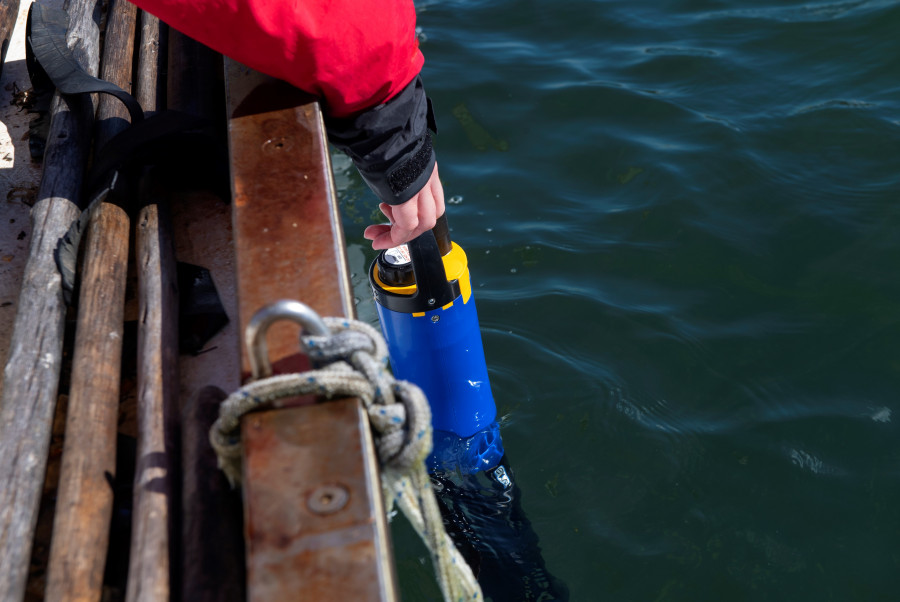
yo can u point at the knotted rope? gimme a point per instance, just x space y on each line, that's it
352 362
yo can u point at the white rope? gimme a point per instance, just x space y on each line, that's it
352 362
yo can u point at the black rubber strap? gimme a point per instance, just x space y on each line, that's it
432 288
169 139
154 141
46 32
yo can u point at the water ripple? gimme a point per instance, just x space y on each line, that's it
810 12
680 51
684 262
835 104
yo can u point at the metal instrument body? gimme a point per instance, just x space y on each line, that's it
430 323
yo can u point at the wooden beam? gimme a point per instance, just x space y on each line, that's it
150 89
212 511
85 495
154 505
193 85
118 53
32 371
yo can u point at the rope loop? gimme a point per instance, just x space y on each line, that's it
351 360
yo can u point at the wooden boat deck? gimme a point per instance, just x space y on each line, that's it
203 231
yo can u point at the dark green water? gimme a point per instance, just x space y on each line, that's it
683 226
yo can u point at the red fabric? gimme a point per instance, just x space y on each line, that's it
354 54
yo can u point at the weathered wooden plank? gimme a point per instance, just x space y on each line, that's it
118 52
32 371
211 511
153 507
193 84
150 86
9 11
85 496
149 564
289 245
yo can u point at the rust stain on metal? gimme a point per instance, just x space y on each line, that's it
315 524
297 548
288 237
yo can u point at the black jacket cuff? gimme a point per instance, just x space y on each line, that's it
390 143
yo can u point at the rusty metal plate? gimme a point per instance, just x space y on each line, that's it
288 239
314 518
320 543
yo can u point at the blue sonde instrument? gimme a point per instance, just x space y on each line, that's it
423 294
424 299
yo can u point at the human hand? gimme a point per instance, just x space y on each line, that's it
411 218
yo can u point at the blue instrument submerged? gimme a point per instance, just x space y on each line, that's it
424 299
423 294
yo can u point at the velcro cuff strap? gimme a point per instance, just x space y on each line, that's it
410 171
406 178
390 143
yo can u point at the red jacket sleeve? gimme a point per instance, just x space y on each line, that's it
353 54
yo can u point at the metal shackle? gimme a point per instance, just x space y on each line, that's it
258 349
